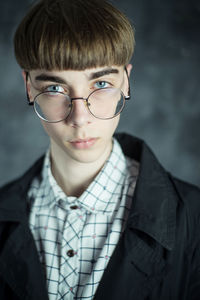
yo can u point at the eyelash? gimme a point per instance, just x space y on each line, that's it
46 87
103 81
100 82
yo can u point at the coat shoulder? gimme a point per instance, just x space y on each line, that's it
188 192
10 186
189 201
23 181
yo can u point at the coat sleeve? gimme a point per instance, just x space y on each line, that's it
194 281
190 196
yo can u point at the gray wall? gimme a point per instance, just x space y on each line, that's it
165 105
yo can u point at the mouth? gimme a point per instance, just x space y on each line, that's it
83 143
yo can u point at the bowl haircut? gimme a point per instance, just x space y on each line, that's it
74 35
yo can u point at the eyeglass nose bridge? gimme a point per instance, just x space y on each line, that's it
81 98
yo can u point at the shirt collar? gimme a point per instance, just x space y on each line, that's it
104 192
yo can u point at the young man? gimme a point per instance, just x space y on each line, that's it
97 217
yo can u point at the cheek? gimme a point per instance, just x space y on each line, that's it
53 130
110 126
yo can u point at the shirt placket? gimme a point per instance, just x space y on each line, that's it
70 264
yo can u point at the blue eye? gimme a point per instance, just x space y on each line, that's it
55 88
101 84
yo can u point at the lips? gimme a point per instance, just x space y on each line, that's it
83 143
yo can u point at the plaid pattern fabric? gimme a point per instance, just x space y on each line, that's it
76 237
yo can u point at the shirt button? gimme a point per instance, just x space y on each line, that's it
70 253
60 202
74 207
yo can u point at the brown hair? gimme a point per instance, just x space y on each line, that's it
73 34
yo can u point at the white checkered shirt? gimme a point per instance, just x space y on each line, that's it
75 237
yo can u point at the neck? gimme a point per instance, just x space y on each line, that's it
72 176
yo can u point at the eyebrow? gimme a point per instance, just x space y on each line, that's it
45 77
94 75
104 72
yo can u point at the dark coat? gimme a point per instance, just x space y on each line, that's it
157 257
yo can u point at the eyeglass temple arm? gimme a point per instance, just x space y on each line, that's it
129 91
27 95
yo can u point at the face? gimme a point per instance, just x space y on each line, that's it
81 137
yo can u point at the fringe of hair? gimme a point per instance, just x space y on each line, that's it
78 34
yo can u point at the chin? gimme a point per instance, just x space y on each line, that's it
90 155
85 156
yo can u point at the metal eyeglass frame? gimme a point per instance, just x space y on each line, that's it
31 103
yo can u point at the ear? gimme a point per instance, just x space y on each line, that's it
27 85
24 76
129 68
127 82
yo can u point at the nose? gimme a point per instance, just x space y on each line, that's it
79 115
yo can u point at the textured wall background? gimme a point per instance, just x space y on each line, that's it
165 105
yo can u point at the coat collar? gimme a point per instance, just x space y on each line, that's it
13 204
154 203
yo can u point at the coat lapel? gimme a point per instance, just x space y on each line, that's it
139 261
19 263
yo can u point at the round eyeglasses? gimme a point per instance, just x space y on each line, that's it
105 103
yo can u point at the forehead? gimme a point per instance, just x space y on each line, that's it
87 74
